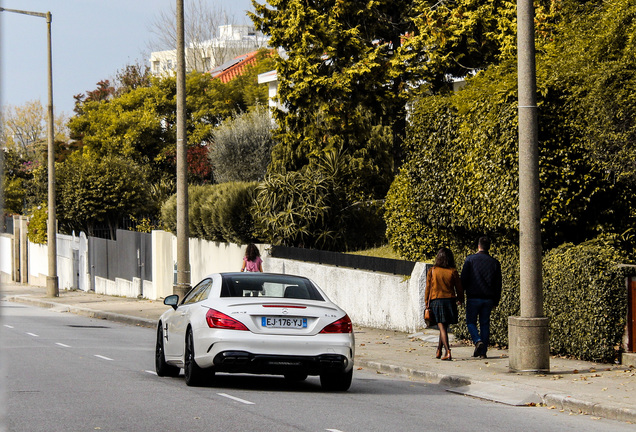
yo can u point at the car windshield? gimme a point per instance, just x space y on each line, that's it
263 285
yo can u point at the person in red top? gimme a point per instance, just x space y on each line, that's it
443 293
252 261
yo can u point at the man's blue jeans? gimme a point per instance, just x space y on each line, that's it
479 308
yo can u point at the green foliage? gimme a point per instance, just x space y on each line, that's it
14 195
92 191
461 174
585 299
37 228
216 212
242 146
596 75
311 208
24 182
335 83
139 121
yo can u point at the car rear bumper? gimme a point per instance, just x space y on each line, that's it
245 362
244 351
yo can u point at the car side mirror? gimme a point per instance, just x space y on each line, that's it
172 300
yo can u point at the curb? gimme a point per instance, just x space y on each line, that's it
429 377
567 403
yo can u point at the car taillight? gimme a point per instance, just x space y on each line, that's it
217 319
343 325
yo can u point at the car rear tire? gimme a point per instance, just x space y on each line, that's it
194 375
336 381
162 368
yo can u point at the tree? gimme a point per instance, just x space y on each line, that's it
242 146
24 129
137 120
337 84
95 191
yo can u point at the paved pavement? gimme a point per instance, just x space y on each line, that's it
578 387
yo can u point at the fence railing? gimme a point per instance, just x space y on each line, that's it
382 265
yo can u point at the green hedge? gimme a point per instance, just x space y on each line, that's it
584 298
218 212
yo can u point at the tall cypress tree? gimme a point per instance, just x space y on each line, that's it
338 84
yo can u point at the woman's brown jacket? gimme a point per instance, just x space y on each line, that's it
443 283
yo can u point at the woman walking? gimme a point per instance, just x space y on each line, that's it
443 293
252 261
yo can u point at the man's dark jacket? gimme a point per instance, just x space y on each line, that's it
481 277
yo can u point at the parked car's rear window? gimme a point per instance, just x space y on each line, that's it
264 285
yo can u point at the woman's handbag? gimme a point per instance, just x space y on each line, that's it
427 317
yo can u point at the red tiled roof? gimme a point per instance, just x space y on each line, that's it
233 68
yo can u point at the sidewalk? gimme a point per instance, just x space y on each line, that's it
600 390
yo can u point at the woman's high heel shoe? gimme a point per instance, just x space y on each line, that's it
448 356
438 353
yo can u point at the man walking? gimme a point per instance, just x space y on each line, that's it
481 279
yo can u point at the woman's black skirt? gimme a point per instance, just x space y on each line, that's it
444 311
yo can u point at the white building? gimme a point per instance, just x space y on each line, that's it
232 41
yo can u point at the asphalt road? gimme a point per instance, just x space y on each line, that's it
64 372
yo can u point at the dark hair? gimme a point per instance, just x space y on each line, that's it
445 258
251 252
484 243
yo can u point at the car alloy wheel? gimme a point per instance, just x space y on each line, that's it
194 375
162 368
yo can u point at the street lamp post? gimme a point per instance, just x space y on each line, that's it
528 334
52 286
183 234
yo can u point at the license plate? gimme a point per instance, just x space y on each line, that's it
284 322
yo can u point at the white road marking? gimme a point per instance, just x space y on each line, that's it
62 345
236 399
103 358
33 334
151 372
8 326
333 430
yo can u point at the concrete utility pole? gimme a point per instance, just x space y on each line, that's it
528 334
52 284
183 234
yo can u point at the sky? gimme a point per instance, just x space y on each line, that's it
91 40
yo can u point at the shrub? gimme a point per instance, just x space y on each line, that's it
314 207
242 146
216 212
37 230
585 299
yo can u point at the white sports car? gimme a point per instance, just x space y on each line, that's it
259 323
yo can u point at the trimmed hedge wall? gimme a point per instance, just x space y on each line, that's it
584 297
